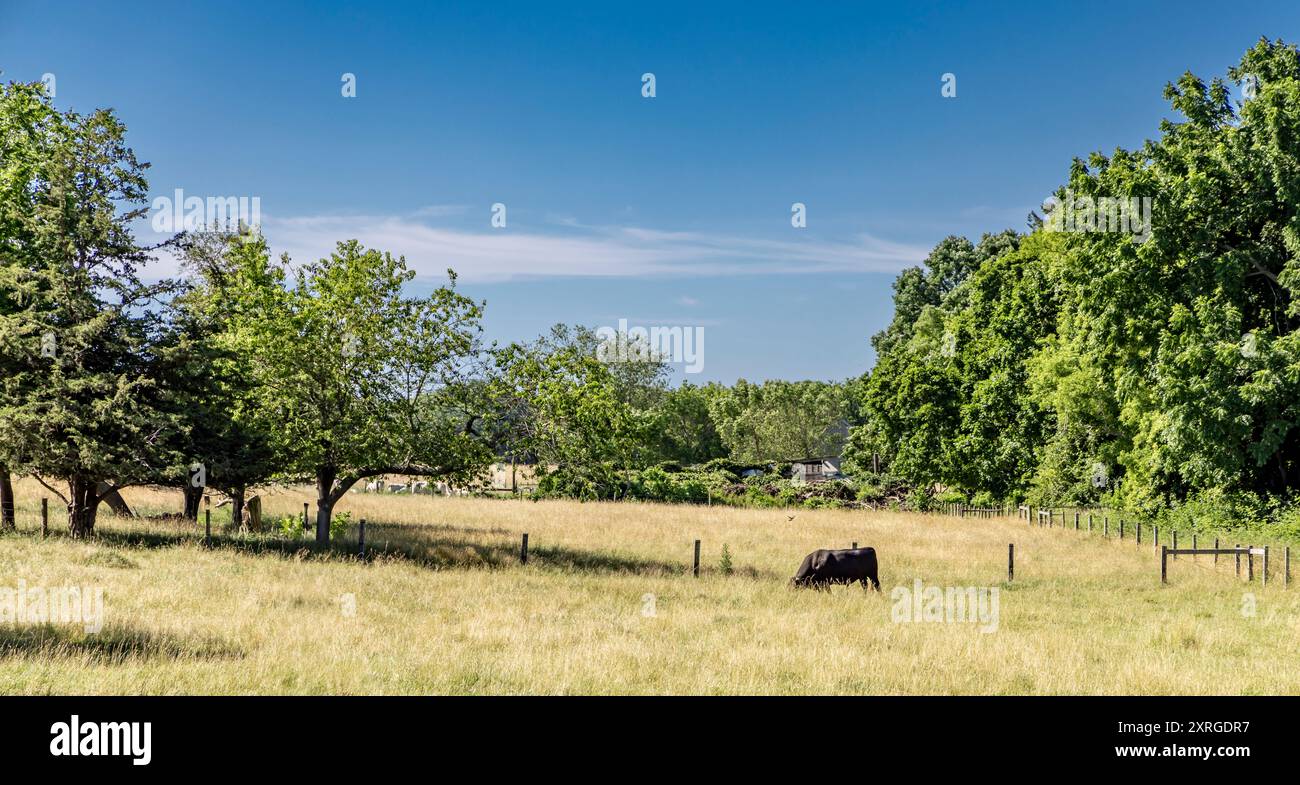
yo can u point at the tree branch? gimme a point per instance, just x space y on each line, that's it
66 503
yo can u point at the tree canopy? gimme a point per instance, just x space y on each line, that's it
1139 369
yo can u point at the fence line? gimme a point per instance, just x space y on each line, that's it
1047 517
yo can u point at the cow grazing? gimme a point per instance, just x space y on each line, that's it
822 568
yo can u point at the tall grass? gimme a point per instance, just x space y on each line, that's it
606 604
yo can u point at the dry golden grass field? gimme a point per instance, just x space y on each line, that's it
607 604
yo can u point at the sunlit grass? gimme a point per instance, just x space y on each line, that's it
607 604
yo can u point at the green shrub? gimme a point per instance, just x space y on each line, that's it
728 467
295 528
585 481
919 499
822 503
291 526
951 496
656 484
339 524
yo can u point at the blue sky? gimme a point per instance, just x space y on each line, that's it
672 210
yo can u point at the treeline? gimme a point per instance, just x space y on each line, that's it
1160 374
616 430
250 369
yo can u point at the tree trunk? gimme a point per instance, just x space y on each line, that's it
324 504
6 500
237 507
193 498
114 500
83 505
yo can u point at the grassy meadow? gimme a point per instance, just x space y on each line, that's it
607 604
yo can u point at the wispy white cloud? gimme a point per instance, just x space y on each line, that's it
620 251
440 210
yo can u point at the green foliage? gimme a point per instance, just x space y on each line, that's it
779 420
291 526
295 528
555 402
1162 374
359 379
682 429
339 524
724 563
84 379
655 484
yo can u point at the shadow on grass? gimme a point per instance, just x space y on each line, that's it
442 527
449 547
114 644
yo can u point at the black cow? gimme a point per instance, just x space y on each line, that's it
822 568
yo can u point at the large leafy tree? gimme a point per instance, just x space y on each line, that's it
912 404
227 430
25 119
780 420
682 429
556 402
83 402
360 379
1143 368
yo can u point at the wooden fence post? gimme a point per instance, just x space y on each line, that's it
207 528
45 517
855 546
1263 576
1090 523
1164 564
523 550
1250 564
1121 529
1137 529
1238 557
1193 545
1076 520
1216 547
697 559
306 522
361 538
1011 561
1175 542
1156 533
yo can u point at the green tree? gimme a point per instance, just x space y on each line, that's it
780 421
682 429
226 430
360 379
84 402
556 402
